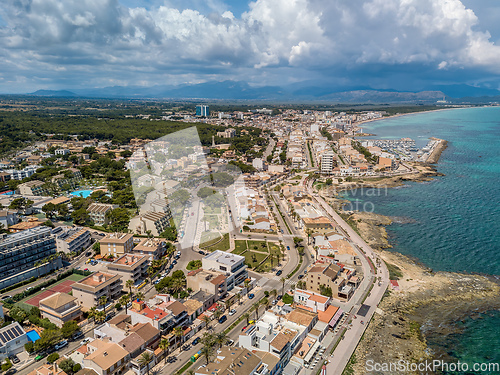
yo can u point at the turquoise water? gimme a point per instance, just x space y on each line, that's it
81 193
453 222
32 335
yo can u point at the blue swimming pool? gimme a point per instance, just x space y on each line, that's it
81 193
32 335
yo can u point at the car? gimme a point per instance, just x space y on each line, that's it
186 347
6 297
86 269
85 341
174 262
171 266
29 288
129 305
196 341
275 301
301 277
171 359
201 252
245 327
288 247
232 312
61 345
222 319
178 253
156 282
11 371
251 321
229 342
13 358
279 297
279 272
251 295
88 253
77 335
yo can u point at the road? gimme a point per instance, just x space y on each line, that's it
347 346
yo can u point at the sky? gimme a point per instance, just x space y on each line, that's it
408 45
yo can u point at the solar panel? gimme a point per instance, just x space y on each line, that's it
8 335
18 330
2 337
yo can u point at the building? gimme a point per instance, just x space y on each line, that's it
48 369
313 301
31 188
153 248
233 361
12 340
97 213
72 240
62 151
202 111
154 222
106 358
317 224
8 218
89 290
232 265
60 308
23 173
130 267
211 282
322 276
20 251
327 162
116 244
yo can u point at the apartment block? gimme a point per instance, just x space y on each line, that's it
72 240
232 265
153 248
90 289
20 251
60 308
106 358
211 282
154 222
116 244
97 212
327 162
32 188
130 267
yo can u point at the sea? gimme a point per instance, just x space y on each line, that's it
453 222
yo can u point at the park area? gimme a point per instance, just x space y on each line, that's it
62 286
261 256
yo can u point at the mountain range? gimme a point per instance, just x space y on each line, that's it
305 91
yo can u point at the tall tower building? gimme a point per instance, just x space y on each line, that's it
202 111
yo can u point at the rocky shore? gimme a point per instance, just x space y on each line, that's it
425 303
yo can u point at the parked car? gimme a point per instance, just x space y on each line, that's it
222 319
174 262
232 312
288 247
201 252
77 335
196 341
13 358
85 341
40 357
229 342
301 276
6 297
178 253
251 295
61 345
279 272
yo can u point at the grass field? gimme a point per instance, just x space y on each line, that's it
261 246
264 248
253 259
212 246
240 246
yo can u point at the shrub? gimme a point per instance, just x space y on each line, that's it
52 357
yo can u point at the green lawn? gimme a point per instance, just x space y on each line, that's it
240 246
211 211
250 256
261 246
222 245
213 221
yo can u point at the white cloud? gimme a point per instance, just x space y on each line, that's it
105 37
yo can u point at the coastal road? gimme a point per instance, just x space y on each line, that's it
347 346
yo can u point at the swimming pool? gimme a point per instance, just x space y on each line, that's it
81 193
32 335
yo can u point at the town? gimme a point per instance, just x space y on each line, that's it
206 251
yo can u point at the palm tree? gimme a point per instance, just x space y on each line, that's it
274 293
256 306
178 333
92 313
220 338
246 283
129 284
102 302
177 285
247 317
238 297
151 271
100 316
124 300
206 320
164 344
206 351
217 314
228 304
283 281
140 296
145 359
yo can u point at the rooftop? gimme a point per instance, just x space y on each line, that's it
116 238
224 258
96 279
57 300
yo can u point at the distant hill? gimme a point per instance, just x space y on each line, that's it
54 93
299 92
